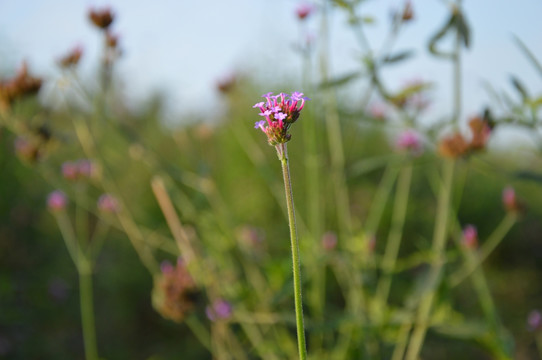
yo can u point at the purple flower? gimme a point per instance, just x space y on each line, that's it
219 310
166 267
303 10
108 204
57 200
410 141
70 170
280 111
85 168
534 320
470 236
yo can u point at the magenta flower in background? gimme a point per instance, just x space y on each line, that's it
303 10
510 200
219 310
85 168
166 267
329 241
70 170
410 141
470 236
108 203
534 320
279 113
57 200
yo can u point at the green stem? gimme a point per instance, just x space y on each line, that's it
87 311
439 242
486 249
396 232
283 156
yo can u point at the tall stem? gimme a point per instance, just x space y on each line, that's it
439 242
283 157
87 311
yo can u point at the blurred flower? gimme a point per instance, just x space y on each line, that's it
534 320
453 146
26 149
280 112
72 58
166 267
111 40
510 200
174 292
329 241
219 310
57 200
70 170
480 133
470 237
410 141
101 18
226 83
108 203
85 168
303 10
21 85
408 12
378 111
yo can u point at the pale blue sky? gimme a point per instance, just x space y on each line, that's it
184 46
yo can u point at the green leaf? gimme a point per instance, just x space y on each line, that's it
439 35
342 80
403 55
529 54
520 88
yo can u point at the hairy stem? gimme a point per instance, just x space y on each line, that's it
283 156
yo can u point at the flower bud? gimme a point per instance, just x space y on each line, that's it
219 310
56 201
470 237
108 204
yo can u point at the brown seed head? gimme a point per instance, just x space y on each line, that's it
72 58
101 18
453 146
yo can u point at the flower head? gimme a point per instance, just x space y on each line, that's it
470 236
57 200
219 310
410 141
71 59
108 203
303 10
174 292
279 112
534 320
101 18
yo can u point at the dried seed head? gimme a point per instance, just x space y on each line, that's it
101 18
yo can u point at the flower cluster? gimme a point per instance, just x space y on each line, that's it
80 169
457 145
280 112
174 294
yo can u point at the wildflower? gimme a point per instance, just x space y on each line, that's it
510 200
280 112
70 170
408 13
85 168
453 146
111 40
219 310
329 241
72 58
409 141
21 85
56 201
26 149
108 203
470 237
534 320
303 10
102 18
226 83
480 133
174 291
378 111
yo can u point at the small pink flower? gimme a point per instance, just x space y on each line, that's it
378 111
57 200
70 170
329 241
303 10
410 141
470 237
510 200
166 267
219 310
108 203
